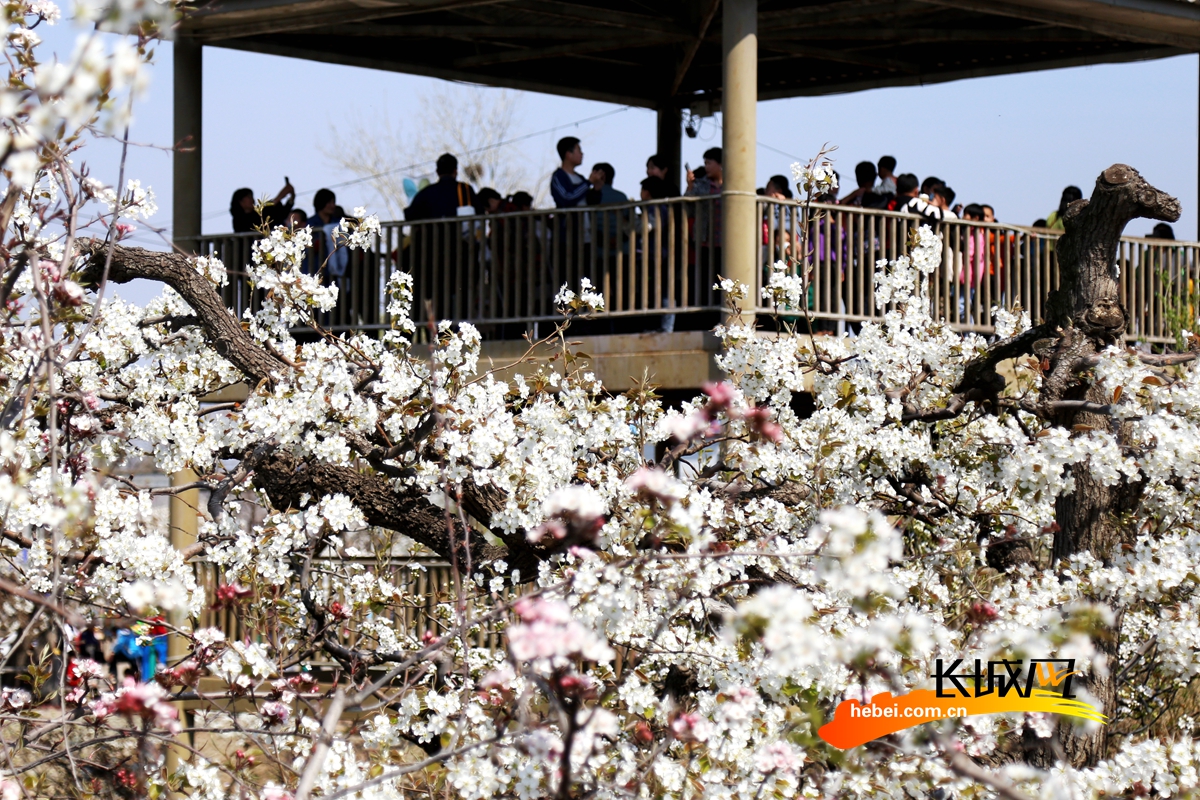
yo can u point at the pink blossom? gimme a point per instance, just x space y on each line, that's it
535 609
229 595
304 682
68 293
720 397
684 429
499 678
575 515
124 229
759 420
87 668
981 612
551 528
549 633
143 700
14 698
655 484
274 713
186 673
691 727
777 757
575 685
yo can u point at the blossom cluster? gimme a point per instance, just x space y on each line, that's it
521 584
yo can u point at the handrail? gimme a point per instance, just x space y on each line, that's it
656 262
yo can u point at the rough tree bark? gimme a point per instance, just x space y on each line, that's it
276 471
1088 315
1084 316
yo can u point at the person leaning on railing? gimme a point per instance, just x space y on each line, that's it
446 198
1055 219
777 188
1168 267
707 230
971 272
779 249
654 187
568 188
659 167
603 193
428 248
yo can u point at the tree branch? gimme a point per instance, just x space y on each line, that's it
222 329
964 766
71 617
286 478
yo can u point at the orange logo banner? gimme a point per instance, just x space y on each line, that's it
856 723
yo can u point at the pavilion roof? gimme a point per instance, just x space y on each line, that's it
658 52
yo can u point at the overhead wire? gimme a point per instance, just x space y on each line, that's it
762 145
476 151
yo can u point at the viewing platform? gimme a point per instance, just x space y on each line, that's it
661 258
656 264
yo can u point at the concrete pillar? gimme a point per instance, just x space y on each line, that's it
670 145
741 231
185 184
185 227
184 529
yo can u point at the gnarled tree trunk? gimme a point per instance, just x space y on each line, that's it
1088 315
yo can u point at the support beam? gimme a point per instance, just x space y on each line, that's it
840 12
1115 30
417 67
186 161
689 53
670 145
740 230
184 530
800 87
923 35
843 56
205 29
389 31
560 50
608 17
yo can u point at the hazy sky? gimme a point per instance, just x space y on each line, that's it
1013 141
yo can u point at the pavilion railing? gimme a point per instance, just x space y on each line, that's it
656 262
984 265
424 584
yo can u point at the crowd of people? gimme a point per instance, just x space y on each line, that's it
877 186
980 251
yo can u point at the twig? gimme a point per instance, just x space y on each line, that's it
964 766
321 749
73 618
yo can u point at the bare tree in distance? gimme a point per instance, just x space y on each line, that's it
470 122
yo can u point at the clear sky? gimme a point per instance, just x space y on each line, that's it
1012 141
